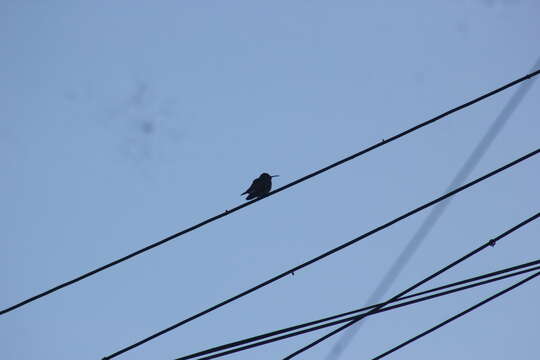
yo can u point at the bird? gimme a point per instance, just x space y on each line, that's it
260 186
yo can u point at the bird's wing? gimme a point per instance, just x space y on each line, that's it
251 188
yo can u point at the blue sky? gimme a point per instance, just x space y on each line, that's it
126 121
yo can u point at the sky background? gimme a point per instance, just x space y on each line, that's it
126 121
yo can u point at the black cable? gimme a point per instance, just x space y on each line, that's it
483 302
491 242
302 179
407 303
322 256
437 211
492 277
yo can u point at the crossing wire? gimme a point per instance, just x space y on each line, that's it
491 243
302 179
289 332
324 255
437 211
476 306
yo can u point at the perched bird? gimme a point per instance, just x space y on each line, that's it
260 186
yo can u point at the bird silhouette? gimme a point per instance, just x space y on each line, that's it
260 186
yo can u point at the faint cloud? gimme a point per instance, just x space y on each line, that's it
141 122
140 93
147 127
463 27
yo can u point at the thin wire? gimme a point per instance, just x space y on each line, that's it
302 179
437 211
322 256
407 303
483 302
491 242
492 277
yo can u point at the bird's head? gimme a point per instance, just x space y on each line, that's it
267 176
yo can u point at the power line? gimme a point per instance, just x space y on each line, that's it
491 242
332 323
322 256
254 341
302 179
437 211
483 302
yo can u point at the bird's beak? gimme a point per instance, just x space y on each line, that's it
274 175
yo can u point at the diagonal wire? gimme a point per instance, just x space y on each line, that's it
491 242
255 341
357 316
230 211
437 211
301 332
324 255
481 303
